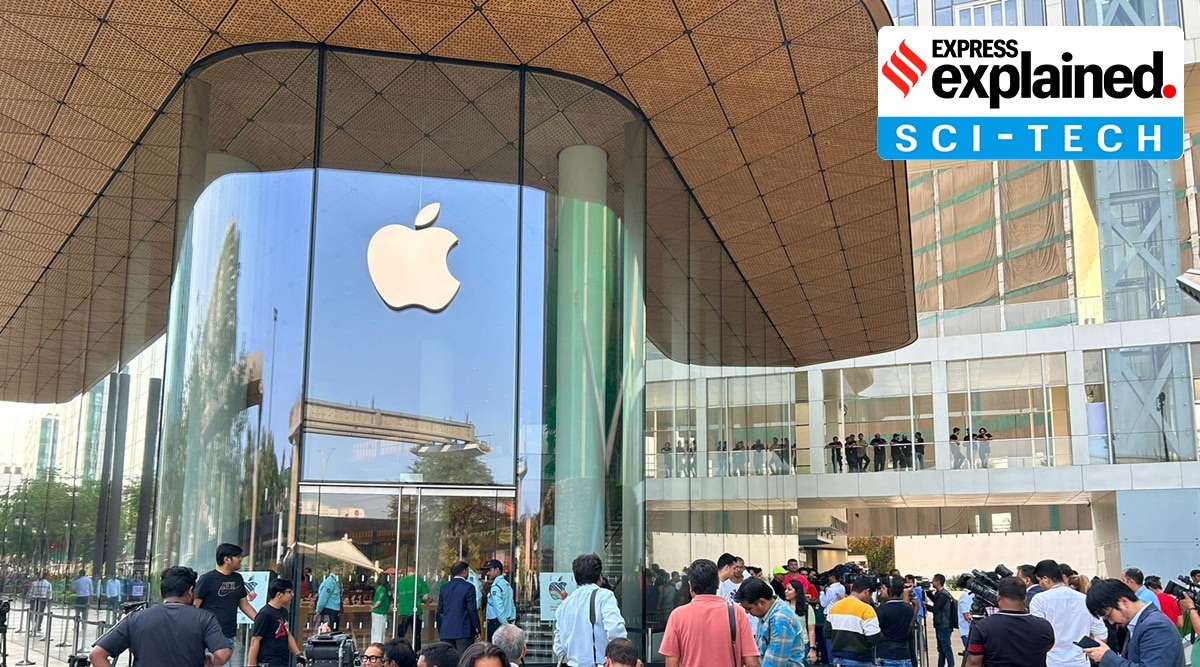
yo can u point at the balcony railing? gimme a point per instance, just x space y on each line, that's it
1001 453
1033 315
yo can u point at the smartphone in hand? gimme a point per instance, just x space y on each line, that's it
1087 642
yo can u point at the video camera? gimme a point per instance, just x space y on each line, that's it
985 586
331 650
846 573
1181 587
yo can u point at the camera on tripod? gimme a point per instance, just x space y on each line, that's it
331 650
985 586
1183 587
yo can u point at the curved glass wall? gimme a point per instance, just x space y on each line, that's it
407 327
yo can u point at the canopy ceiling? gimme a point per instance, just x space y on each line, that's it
767 108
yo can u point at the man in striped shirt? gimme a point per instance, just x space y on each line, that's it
853 627
39 599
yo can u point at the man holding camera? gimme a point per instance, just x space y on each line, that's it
1012 637
173 633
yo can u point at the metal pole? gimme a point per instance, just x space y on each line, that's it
46 653
28 636
64 642
75 643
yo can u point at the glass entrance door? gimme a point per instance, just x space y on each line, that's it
353 539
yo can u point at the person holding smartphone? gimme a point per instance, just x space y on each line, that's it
1012 637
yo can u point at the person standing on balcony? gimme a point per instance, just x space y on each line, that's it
956 449
985 446
835 454
920 450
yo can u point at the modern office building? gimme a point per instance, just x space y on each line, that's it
1047 314
369 287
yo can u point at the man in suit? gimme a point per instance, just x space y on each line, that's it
1153 639
457 611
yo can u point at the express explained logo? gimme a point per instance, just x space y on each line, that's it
904 68
1030 92
1065 79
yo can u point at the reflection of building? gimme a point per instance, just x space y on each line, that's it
44 446
1047 315
420 435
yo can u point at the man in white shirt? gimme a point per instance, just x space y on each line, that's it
729 572
965 600
1067 611
833 592
588 619
732 576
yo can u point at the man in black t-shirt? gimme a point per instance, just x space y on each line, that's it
271 641
1011 638
171 634
896 616
223 591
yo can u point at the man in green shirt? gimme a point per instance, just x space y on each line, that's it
411 590
381 606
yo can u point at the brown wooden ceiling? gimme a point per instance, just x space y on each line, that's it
767 107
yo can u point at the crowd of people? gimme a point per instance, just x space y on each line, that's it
737 460
195 626
857 454
1044 615
723 612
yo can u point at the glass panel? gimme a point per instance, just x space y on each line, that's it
343 537
234 356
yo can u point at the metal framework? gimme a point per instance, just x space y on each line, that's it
1149 386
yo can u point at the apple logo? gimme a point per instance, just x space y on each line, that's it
408 266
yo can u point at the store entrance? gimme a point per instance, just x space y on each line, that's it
351 540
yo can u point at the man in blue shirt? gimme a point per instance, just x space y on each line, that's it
501 607
1135 580
83 594
112 596
781 637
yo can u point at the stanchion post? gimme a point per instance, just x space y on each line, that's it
75 644
64 643
46 653
26 660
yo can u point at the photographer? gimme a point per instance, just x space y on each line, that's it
171 633
1012 637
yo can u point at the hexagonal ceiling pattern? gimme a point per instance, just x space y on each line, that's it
767 108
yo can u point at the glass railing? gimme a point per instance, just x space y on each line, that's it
999 453
1012 453
1033 315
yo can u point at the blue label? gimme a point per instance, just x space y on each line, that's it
1030 138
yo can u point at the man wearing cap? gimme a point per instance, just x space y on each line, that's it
501 608
777 577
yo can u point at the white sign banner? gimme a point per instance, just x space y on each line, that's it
555 587
256 593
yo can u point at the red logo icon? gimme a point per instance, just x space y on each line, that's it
904 68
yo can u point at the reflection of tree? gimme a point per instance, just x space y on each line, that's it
37 520
453 528
272 484
203 449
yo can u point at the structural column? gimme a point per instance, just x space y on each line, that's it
586 242
633 374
